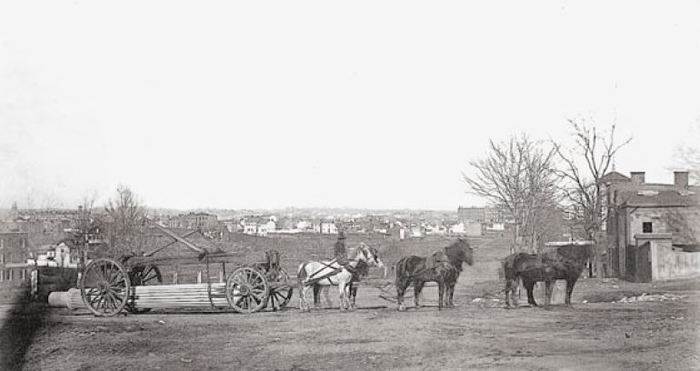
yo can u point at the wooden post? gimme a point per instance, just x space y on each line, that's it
199 277
221 276
175 276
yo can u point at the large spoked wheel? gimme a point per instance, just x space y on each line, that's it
280 291
247 290
104 287
142 275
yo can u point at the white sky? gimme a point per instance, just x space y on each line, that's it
376 104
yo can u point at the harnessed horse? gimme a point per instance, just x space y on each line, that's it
331 273
361 270
442 267
566 263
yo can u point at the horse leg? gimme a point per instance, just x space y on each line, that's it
569 290
317 295
451 293
303 305
515 286
353 295
441 293
530 286
341 295
327 296
547 292
511 286
417 288
401 286
507 290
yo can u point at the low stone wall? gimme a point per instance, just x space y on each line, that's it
667 264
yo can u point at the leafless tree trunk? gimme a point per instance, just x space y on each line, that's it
584 165
127 217
689 156
85 221
590 158
518 176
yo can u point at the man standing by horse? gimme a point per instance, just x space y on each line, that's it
339 252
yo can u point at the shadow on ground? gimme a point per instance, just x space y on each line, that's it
20 323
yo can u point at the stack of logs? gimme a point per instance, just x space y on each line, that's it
157 296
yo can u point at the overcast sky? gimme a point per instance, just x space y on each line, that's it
377 104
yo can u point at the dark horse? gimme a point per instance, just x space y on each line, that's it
566 263
442 267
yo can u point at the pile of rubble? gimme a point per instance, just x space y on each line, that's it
487 302
654 297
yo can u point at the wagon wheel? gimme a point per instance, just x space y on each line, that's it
104 287
281 291
247 290
142 275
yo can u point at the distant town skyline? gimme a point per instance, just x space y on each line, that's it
245 106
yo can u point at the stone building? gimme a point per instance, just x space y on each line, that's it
201 221
14 251
636 208
480 214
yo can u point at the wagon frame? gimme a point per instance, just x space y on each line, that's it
135 283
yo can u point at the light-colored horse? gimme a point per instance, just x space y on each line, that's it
334 274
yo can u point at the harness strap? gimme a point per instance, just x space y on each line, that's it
312 279
326 266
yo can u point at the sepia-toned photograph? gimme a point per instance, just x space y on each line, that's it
366 185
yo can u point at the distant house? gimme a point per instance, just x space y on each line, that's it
259 226
231 225
435 229
201 221
466 228
416 231
637 210
480 214
59 255
327 227
14 251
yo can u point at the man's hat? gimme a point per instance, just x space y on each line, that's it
341 235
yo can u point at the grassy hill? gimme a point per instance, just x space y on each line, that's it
295 249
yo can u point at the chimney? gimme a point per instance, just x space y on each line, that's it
680 179
637 177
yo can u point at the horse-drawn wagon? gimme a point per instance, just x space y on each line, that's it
135 283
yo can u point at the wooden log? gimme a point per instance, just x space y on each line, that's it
156 297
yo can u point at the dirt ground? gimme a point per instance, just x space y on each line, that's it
478 334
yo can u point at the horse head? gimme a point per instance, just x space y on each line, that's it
460 252
371 256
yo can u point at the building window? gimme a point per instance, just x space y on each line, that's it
646 227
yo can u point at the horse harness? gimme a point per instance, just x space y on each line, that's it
431 262
335 271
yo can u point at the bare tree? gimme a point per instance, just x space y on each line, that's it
689 156
518 176
584 164
85 222
126 219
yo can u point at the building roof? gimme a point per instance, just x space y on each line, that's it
659 198
614 176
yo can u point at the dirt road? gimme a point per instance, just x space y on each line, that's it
479 333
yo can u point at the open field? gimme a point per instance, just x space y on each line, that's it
602 333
